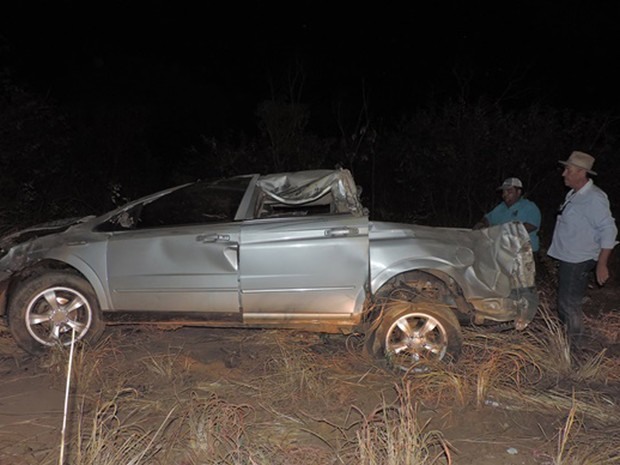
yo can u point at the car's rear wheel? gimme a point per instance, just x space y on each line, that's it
412 335
47 309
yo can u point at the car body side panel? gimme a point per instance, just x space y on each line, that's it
191 268
481 262
78 248
301 266
493 267
86 258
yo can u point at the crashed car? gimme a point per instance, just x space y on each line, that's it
291 250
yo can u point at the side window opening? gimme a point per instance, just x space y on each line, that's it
269 208
198 203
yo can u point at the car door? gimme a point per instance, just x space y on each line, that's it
181 254
301 266
184 269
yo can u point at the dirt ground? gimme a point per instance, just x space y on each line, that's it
308 419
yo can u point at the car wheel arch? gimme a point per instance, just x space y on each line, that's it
425 287
423 284
51 265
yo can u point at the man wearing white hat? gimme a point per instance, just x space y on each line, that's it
514 207
584 236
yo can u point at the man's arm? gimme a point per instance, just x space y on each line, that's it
531 217
606 230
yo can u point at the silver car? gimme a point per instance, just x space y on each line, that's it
289 250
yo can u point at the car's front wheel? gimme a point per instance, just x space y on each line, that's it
52 309
411 334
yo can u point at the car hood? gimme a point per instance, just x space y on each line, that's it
43 229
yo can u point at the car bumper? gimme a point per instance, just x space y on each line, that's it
519 307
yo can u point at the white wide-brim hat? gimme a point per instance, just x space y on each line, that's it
580 160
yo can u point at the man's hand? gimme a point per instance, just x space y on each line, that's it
602 271
602 274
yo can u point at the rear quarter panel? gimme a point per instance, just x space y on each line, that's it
481 261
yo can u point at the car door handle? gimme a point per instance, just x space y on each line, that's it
213 238
340 232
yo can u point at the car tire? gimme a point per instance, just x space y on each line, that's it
412 333
45 308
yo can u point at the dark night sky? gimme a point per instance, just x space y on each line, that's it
213 64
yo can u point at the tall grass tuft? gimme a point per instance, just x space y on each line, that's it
110 438
294 373
576 446
215 430
169 367
391 435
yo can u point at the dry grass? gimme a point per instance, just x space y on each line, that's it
112 437
11 356
576 446
169 368
7 345
291 373
498 361
289 399
134 428
441 385
606 325
100 368
537 371
391 435
213 430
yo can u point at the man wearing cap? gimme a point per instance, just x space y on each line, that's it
584 236
515 207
